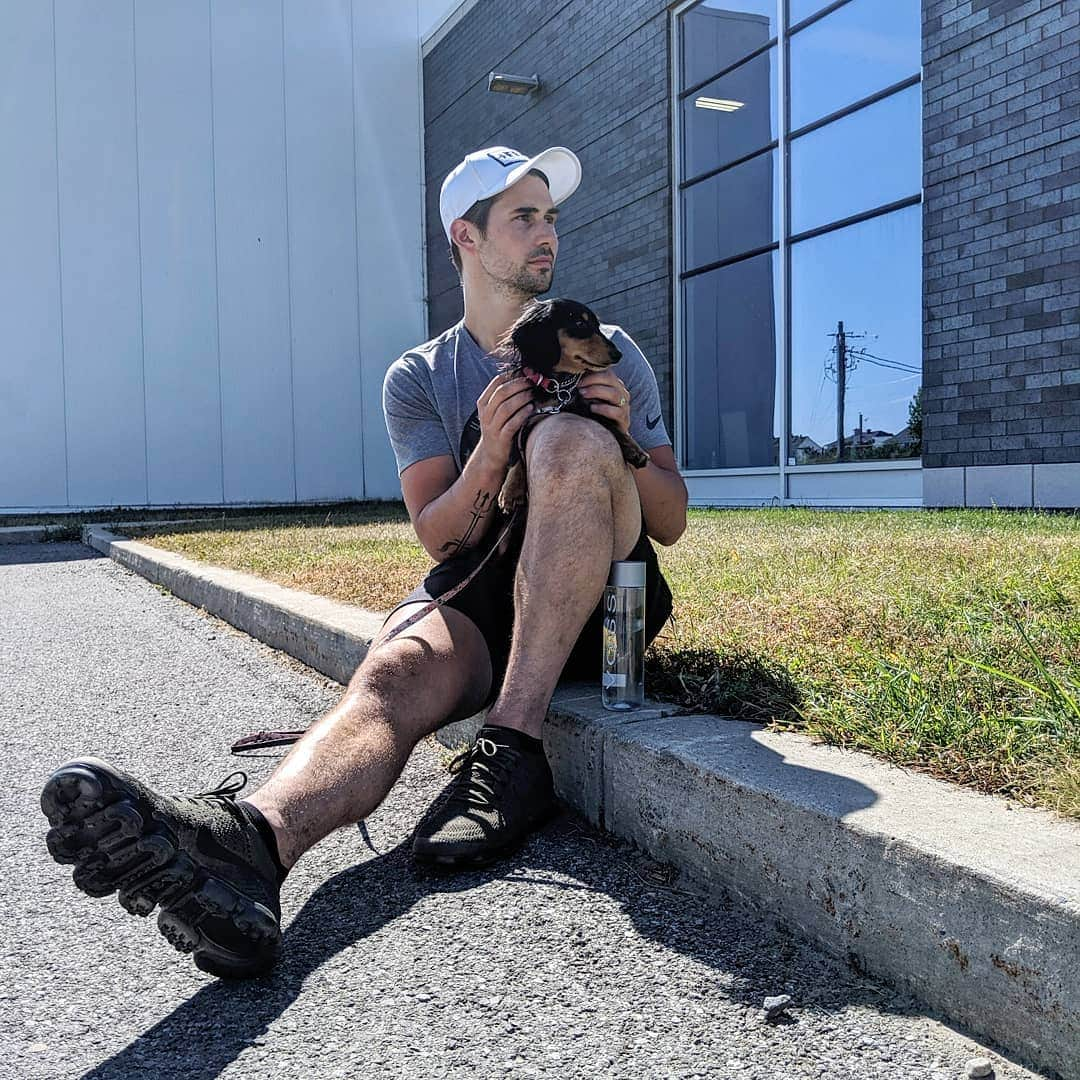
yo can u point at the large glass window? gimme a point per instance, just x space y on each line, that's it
845 334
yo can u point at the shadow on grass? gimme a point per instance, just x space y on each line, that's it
739 685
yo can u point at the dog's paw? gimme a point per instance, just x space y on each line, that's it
512 494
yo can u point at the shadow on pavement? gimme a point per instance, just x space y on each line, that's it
219 1022
55 552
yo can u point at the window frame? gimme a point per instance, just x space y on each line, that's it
783 245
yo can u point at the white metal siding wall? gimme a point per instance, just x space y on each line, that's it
210 248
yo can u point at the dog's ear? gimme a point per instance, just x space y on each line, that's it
535 336
507 354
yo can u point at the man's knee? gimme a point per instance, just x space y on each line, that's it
568 445
421 680
384 670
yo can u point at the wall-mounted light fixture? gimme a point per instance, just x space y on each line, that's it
719 104
501 83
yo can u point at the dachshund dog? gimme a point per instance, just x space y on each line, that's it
553 343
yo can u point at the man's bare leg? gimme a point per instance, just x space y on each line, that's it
583 513
346 763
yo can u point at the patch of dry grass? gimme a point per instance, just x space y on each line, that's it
903 634
368 556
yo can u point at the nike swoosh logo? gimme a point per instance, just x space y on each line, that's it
650 424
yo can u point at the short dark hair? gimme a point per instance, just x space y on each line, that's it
478 215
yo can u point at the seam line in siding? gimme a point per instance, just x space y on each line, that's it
356 247
288 244
217 268
60 266
138 244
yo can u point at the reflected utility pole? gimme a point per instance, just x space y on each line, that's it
841 388
844 356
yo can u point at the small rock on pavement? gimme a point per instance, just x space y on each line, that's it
775 1006
979 1067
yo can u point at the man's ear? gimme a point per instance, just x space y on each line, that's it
462 233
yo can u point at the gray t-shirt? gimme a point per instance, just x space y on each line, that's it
430 395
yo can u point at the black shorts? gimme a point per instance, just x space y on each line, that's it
488 600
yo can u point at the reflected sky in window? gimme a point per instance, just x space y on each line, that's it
869 276
803 9
859 49
867 159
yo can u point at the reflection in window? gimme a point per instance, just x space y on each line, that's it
856 295
860 48
866 159
732 212
718 33
803 9
731 319
730 117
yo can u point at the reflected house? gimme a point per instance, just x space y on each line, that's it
905 439
804 449
862 440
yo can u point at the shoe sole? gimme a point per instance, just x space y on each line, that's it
108 832
478 860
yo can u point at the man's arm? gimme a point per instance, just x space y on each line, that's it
663 495
660 486
452 513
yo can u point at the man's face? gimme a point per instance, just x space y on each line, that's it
521 244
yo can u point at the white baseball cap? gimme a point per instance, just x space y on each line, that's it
487 172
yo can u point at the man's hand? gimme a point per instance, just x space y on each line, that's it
607 396
503 407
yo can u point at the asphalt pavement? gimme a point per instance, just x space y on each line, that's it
575 958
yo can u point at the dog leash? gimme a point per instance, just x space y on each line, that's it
261 740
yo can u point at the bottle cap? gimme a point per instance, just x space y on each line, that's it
628 575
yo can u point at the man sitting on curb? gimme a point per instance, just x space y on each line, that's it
215 864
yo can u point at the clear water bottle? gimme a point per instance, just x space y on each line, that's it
622 674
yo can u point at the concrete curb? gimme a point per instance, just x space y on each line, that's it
967 901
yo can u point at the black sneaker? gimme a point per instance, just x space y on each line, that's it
199 857
503 792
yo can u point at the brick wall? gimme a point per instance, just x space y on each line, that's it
604 70
1001 174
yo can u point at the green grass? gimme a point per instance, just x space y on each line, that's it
945 641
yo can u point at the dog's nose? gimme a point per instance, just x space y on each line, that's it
616 356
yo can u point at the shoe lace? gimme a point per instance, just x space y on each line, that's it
225 793
229 788
483 773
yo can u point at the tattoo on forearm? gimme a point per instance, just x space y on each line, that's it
481 507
